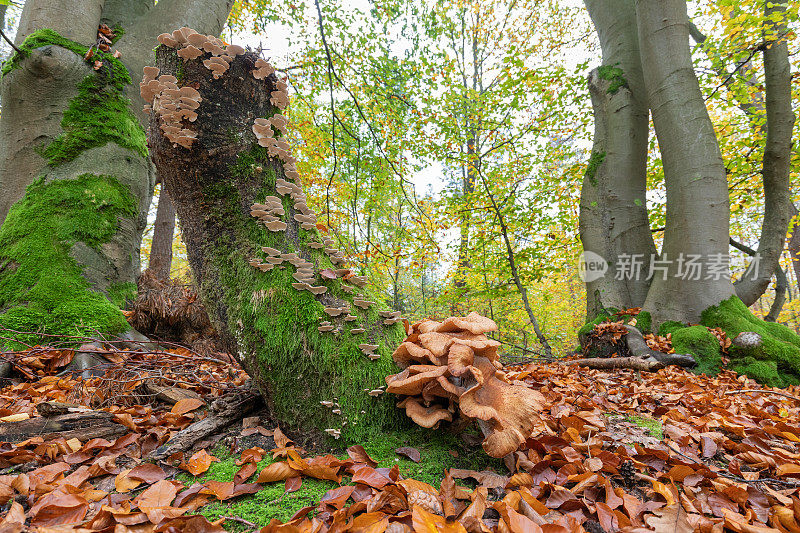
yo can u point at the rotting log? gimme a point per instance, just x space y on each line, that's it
81 425
303 326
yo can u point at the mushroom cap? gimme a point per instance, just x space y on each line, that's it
368 347
318 290
234 50
190 52
473 322
356 331
276 226
333 311
196 39
427 417
274 260
270 251
301 286
150 72
167 40
511 410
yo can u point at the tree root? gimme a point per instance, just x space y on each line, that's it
642 357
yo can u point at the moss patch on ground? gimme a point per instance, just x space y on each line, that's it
439 451
776 362
779 352
653 427
42 290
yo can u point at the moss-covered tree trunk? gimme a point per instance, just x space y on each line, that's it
227 189
74 168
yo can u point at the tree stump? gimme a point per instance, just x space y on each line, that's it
302 326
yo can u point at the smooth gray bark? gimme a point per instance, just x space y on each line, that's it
776 160
163 231
36 94
613 208
696 185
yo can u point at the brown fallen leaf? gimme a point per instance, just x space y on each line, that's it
410 453
670 519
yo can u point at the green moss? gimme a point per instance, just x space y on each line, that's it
277 325
780 345
595 160
644 322
670 326
652 426
121 293
38 39
99 113
765 372
701 343
439 450
589 326
615 75
41 286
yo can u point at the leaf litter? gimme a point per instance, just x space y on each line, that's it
728 459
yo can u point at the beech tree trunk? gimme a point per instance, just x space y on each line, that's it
163 233
613 211
694 175
74 167
243 270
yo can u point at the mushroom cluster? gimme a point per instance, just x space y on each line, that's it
390 317
192 45
172 104
451 368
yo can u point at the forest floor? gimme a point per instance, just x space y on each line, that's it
616 450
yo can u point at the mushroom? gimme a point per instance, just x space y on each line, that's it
449 367
276 226
316 245
279 99
356 331
335 433
213 48
375 392
333 311
167 40
301 286
318 290
350 318
327 403
368 347
274 260
325 328
190 52
270 251
234 50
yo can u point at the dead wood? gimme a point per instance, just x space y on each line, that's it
233 410
170 395
81 425
641 357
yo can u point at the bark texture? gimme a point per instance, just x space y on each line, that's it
613 209
163 232
272 327
74 170
694 174
776 161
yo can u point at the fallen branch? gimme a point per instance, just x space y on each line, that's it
642 357
234 410
81 425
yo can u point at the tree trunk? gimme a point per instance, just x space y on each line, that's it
74 170
269 323
794 246
776 160
163 232
694 175
613 210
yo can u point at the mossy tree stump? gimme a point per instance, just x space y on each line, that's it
267 323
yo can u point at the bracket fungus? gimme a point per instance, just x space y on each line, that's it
451 368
